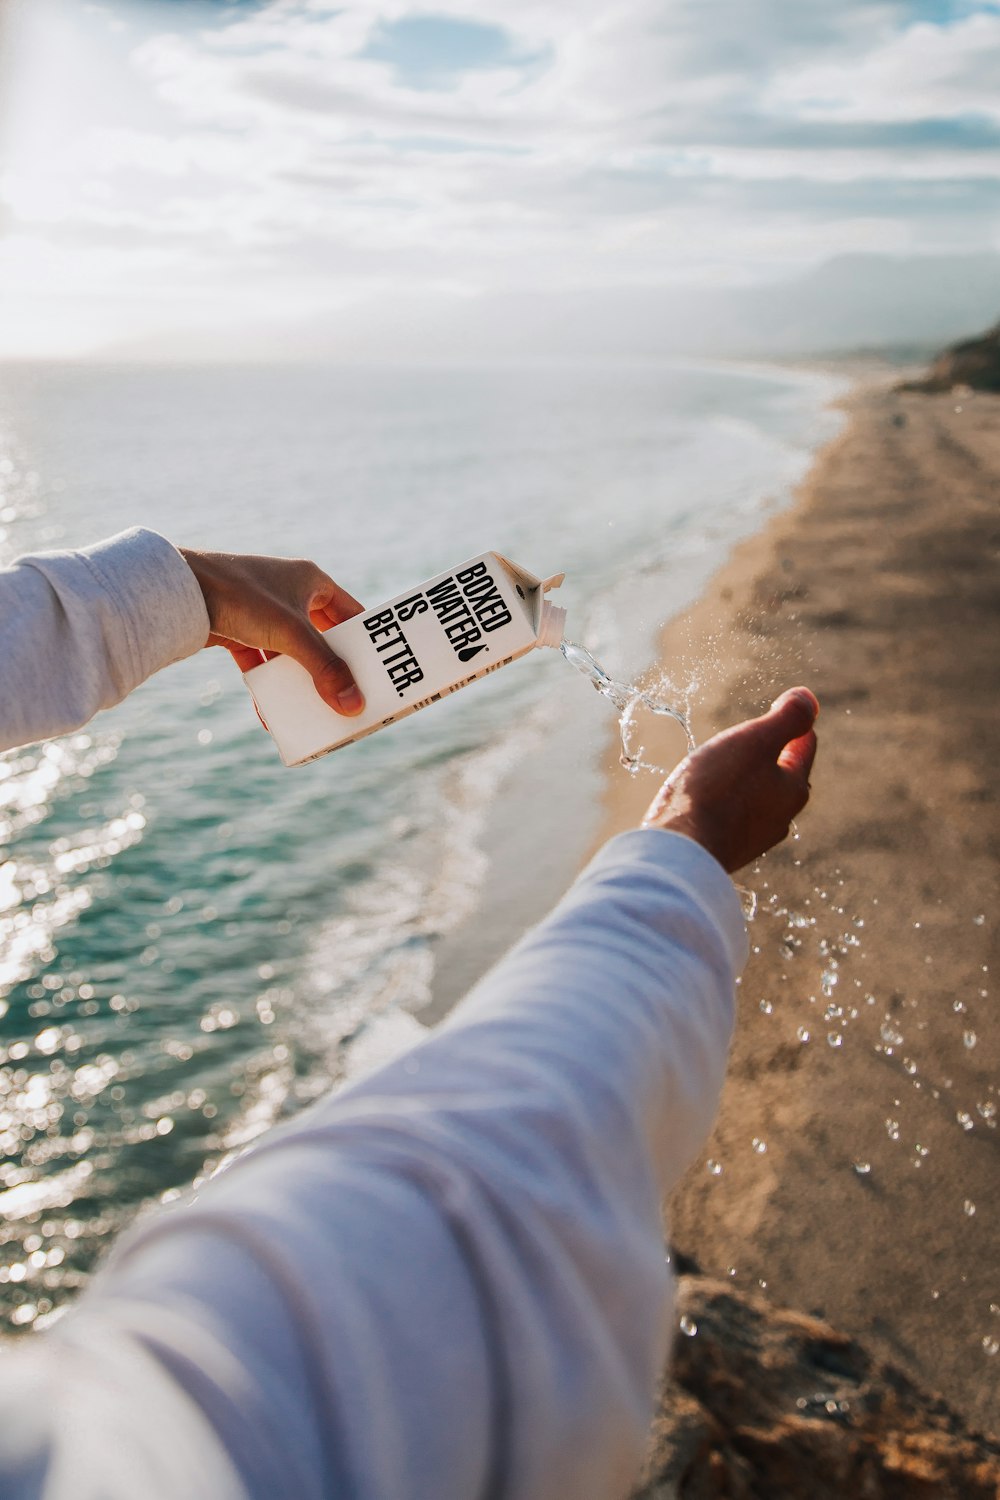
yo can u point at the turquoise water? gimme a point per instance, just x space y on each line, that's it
195 941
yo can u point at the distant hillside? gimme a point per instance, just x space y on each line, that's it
850 303
973 362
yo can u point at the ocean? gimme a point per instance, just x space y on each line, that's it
194 941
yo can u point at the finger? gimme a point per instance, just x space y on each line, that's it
331 676
245 657
790 716
323 619
798 755
328 598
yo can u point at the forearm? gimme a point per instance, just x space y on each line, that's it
622 1000
455 1267
80 630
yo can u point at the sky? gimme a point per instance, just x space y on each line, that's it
182 174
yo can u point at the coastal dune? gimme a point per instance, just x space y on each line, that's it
854 1168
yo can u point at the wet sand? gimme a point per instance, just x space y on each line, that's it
877 926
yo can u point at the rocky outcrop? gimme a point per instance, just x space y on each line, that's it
766 1404
975 363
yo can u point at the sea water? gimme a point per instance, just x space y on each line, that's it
195 941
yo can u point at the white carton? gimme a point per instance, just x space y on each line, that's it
410 652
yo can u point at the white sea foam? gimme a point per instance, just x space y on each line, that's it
373 967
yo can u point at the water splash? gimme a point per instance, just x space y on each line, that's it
628 700
748 902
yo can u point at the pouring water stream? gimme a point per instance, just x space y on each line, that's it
627 699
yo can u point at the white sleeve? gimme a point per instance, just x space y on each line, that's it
80 630
448 1280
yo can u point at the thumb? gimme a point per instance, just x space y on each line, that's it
798 755
790 717
331 676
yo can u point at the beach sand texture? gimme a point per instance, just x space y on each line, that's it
878 588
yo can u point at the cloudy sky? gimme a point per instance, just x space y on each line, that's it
180 166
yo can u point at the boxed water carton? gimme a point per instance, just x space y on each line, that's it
411 652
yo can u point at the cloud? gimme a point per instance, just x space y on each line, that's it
304 152
925 72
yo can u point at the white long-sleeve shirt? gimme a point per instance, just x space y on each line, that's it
449 1279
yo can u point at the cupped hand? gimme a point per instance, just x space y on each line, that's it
738 793
264 606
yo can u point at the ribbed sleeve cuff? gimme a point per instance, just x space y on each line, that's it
156 597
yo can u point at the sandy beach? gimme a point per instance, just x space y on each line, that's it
854 1167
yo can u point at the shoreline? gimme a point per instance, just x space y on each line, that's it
872 1202
695 644
529 865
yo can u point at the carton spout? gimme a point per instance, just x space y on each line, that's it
552 625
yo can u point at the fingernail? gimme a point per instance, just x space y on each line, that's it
349 700
799 695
